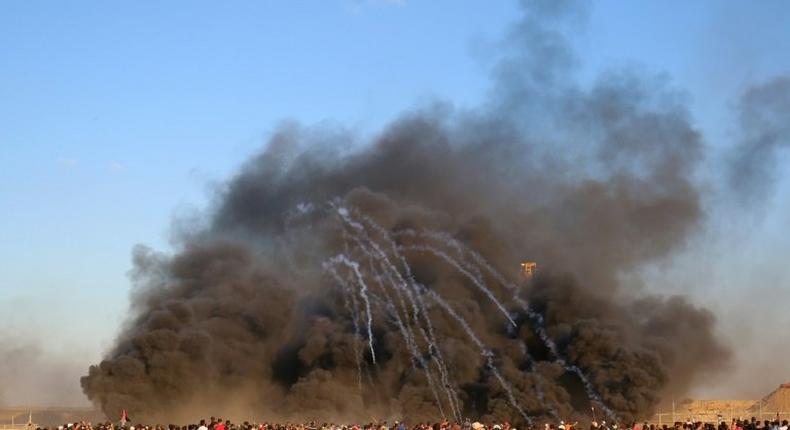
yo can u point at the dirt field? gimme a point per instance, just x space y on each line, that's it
775 403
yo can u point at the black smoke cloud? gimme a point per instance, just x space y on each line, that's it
592 183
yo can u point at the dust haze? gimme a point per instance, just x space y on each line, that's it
32 377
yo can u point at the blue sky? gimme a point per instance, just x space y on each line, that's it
117 116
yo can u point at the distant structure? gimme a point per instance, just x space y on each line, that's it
21 418
30 425
529 267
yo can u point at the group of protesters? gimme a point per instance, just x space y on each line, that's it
220 424
735 424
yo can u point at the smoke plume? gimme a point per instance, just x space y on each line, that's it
753 164
31 377
384 282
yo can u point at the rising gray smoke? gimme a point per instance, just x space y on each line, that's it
265 311
753 165
31 377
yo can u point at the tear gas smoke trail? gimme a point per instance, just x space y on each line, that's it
348 297
364 241
461 249
465 269
406 332
408 337
458 247
401 284
484 351
536 318
363 292
466 273
429 336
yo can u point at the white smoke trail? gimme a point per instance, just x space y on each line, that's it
363 292
480 285
371 248
418 307
403 285
535 317
484 351
408 337
348 292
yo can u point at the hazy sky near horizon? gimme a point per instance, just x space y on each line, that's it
118 117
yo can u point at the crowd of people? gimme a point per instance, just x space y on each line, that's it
220 424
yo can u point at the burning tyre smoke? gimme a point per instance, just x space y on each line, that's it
384 281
